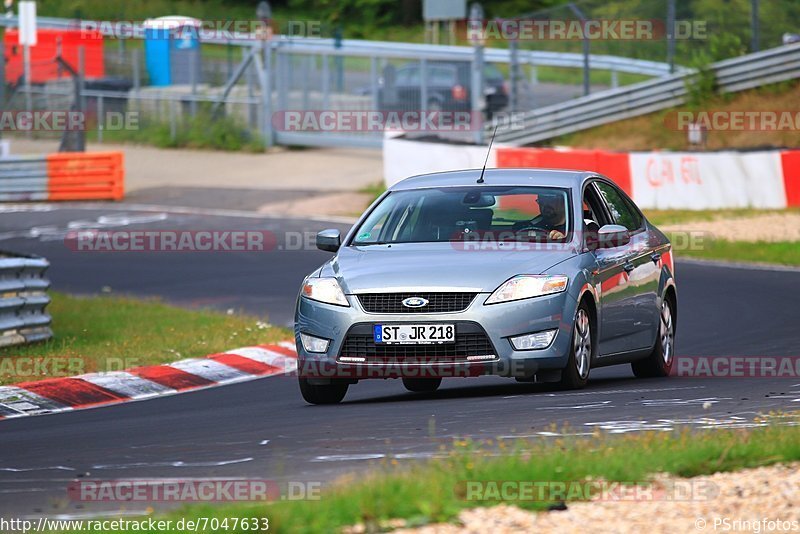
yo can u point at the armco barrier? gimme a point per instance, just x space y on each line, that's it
63 176
23 299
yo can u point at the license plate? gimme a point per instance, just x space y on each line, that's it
414 334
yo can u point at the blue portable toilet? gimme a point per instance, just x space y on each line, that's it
172 50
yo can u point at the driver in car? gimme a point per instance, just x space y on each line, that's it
552 217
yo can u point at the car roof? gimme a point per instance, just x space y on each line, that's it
530 177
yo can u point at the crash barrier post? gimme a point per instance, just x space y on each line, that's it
23 299
63 176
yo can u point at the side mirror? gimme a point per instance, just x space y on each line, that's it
612 236
329 240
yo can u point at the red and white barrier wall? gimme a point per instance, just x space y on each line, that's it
655 180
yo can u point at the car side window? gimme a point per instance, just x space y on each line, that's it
408 76
621 211
593 207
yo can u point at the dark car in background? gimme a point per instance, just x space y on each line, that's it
448 87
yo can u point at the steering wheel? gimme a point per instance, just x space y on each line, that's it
528 227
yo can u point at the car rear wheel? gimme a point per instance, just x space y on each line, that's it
332 393
576 373
422 385
659 363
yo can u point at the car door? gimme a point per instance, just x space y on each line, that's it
610 280
636 306
408 88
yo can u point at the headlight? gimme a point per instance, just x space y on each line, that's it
325 290
527 286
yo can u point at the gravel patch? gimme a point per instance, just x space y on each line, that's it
772 227
744 499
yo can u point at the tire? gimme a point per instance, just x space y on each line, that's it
659 362
422 385
332 393
581 353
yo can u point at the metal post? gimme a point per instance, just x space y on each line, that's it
614 79
586 68
306 77
423 85
337 43
173 121
81 102
755 43
2 79
266 94
326 81
373 81
477 96
229 52
100 119
59 68
137 81
193 81
26 51
671 35
515 74
252 111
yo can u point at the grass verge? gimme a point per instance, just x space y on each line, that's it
778 253
665 217
112 333
433 491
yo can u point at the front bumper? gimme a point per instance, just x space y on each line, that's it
498 321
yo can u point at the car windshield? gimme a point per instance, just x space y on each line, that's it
428 215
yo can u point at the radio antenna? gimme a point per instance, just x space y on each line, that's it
488 151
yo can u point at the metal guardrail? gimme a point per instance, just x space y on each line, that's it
737 74
23 178
364 48
23 299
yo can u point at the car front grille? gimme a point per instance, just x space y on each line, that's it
437 302
471 340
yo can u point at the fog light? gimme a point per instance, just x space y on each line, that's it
537 341
314 344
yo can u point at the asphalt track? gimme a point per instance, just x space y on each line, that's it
263 429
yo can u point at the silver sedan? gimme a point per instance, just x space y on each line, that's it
537 275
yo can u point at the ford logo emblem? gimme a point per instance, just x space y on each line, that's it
415 302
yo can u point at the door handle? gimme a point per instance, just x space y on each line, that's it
629 267
655 256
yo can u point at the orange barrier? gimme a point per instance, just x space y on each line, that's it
612 164
85 176
790 160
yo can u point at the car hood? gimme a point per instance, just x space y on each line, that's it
435 265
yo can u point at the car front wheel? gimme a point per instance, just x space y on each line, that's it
332 393
576 373
659 362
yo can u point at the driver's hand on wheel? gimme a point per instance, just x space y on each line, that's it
555 234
